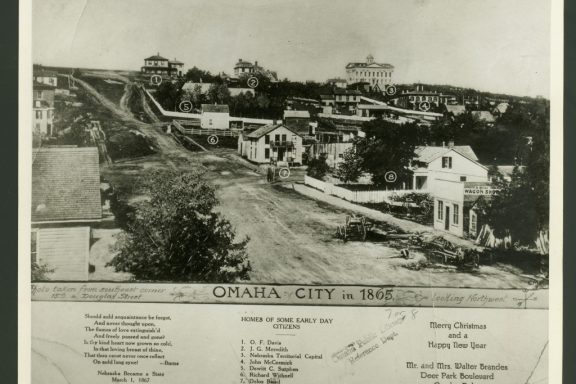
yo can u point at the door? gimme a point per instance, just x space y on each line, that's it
447 219
281 154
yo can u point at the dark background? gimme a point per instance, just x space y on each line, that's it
9 191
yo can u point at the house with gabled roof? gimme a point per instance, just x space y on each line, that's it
270 144
451 162
66 202
215 116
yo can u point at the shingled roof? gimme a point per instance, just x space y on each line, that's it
66 185
426 154
157 58
267 129
217 108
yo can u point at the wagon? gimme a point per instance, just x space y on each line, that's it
354 228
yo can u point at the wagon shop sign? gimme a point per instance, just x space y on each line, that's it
480 190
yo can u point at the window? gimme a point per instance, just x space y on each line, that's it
473 223
276 138
266 153
267 139
456 214
440 210
462 178
33 245
38 114
283 138
446 162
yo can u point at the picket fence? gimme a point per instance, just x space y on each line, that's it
356 196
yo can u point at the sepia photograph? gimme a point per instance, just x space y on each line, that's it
400 143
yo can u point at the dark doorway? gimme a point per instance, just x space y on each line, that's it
447 219
281 152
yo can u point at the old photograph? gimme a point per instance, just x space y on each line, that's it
400 143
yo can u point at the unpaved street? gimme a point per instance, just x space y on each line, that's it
292 236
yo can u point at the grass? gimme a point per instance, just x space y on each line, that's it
111 91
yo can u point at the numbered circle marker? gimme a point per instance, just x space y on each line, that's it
252 82
185 106
424 106
155 79
284 173
212 140
390 176
391 90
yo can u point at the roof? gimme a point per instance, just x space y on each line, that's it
484 116
218 108
66 185
267 129
44 73
291 113
507 170
341 91
157 58
242 63
427 154
501 108
190 86
371 65
456 109
37 85
176 62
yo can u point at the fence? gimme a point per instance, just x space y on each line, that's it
356 196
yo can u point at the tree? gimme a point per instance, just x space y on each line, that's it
351 168
177 236
197 75
317 167
389 147
219 93
169 95
521 208
40 272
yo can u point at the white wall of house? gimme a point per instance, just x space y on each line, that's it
43 120
333 151
451 166
215 120
65 250
49 80
262 150
449 207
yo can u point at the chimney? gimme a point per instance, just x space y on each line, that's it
256 63
451 144
239 60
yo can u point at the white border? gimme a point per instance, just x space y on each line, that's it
24 190
556 190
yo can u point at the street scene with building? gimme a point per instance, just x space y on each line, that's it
170 171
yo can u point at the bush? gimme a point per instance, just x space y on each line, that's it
318 168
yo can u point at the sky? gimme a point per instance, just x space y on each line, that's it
490 45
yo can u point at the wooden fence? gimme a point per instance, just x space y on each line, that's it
357 196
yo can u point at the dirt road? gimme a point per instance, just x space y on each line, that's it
292 236
292 239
